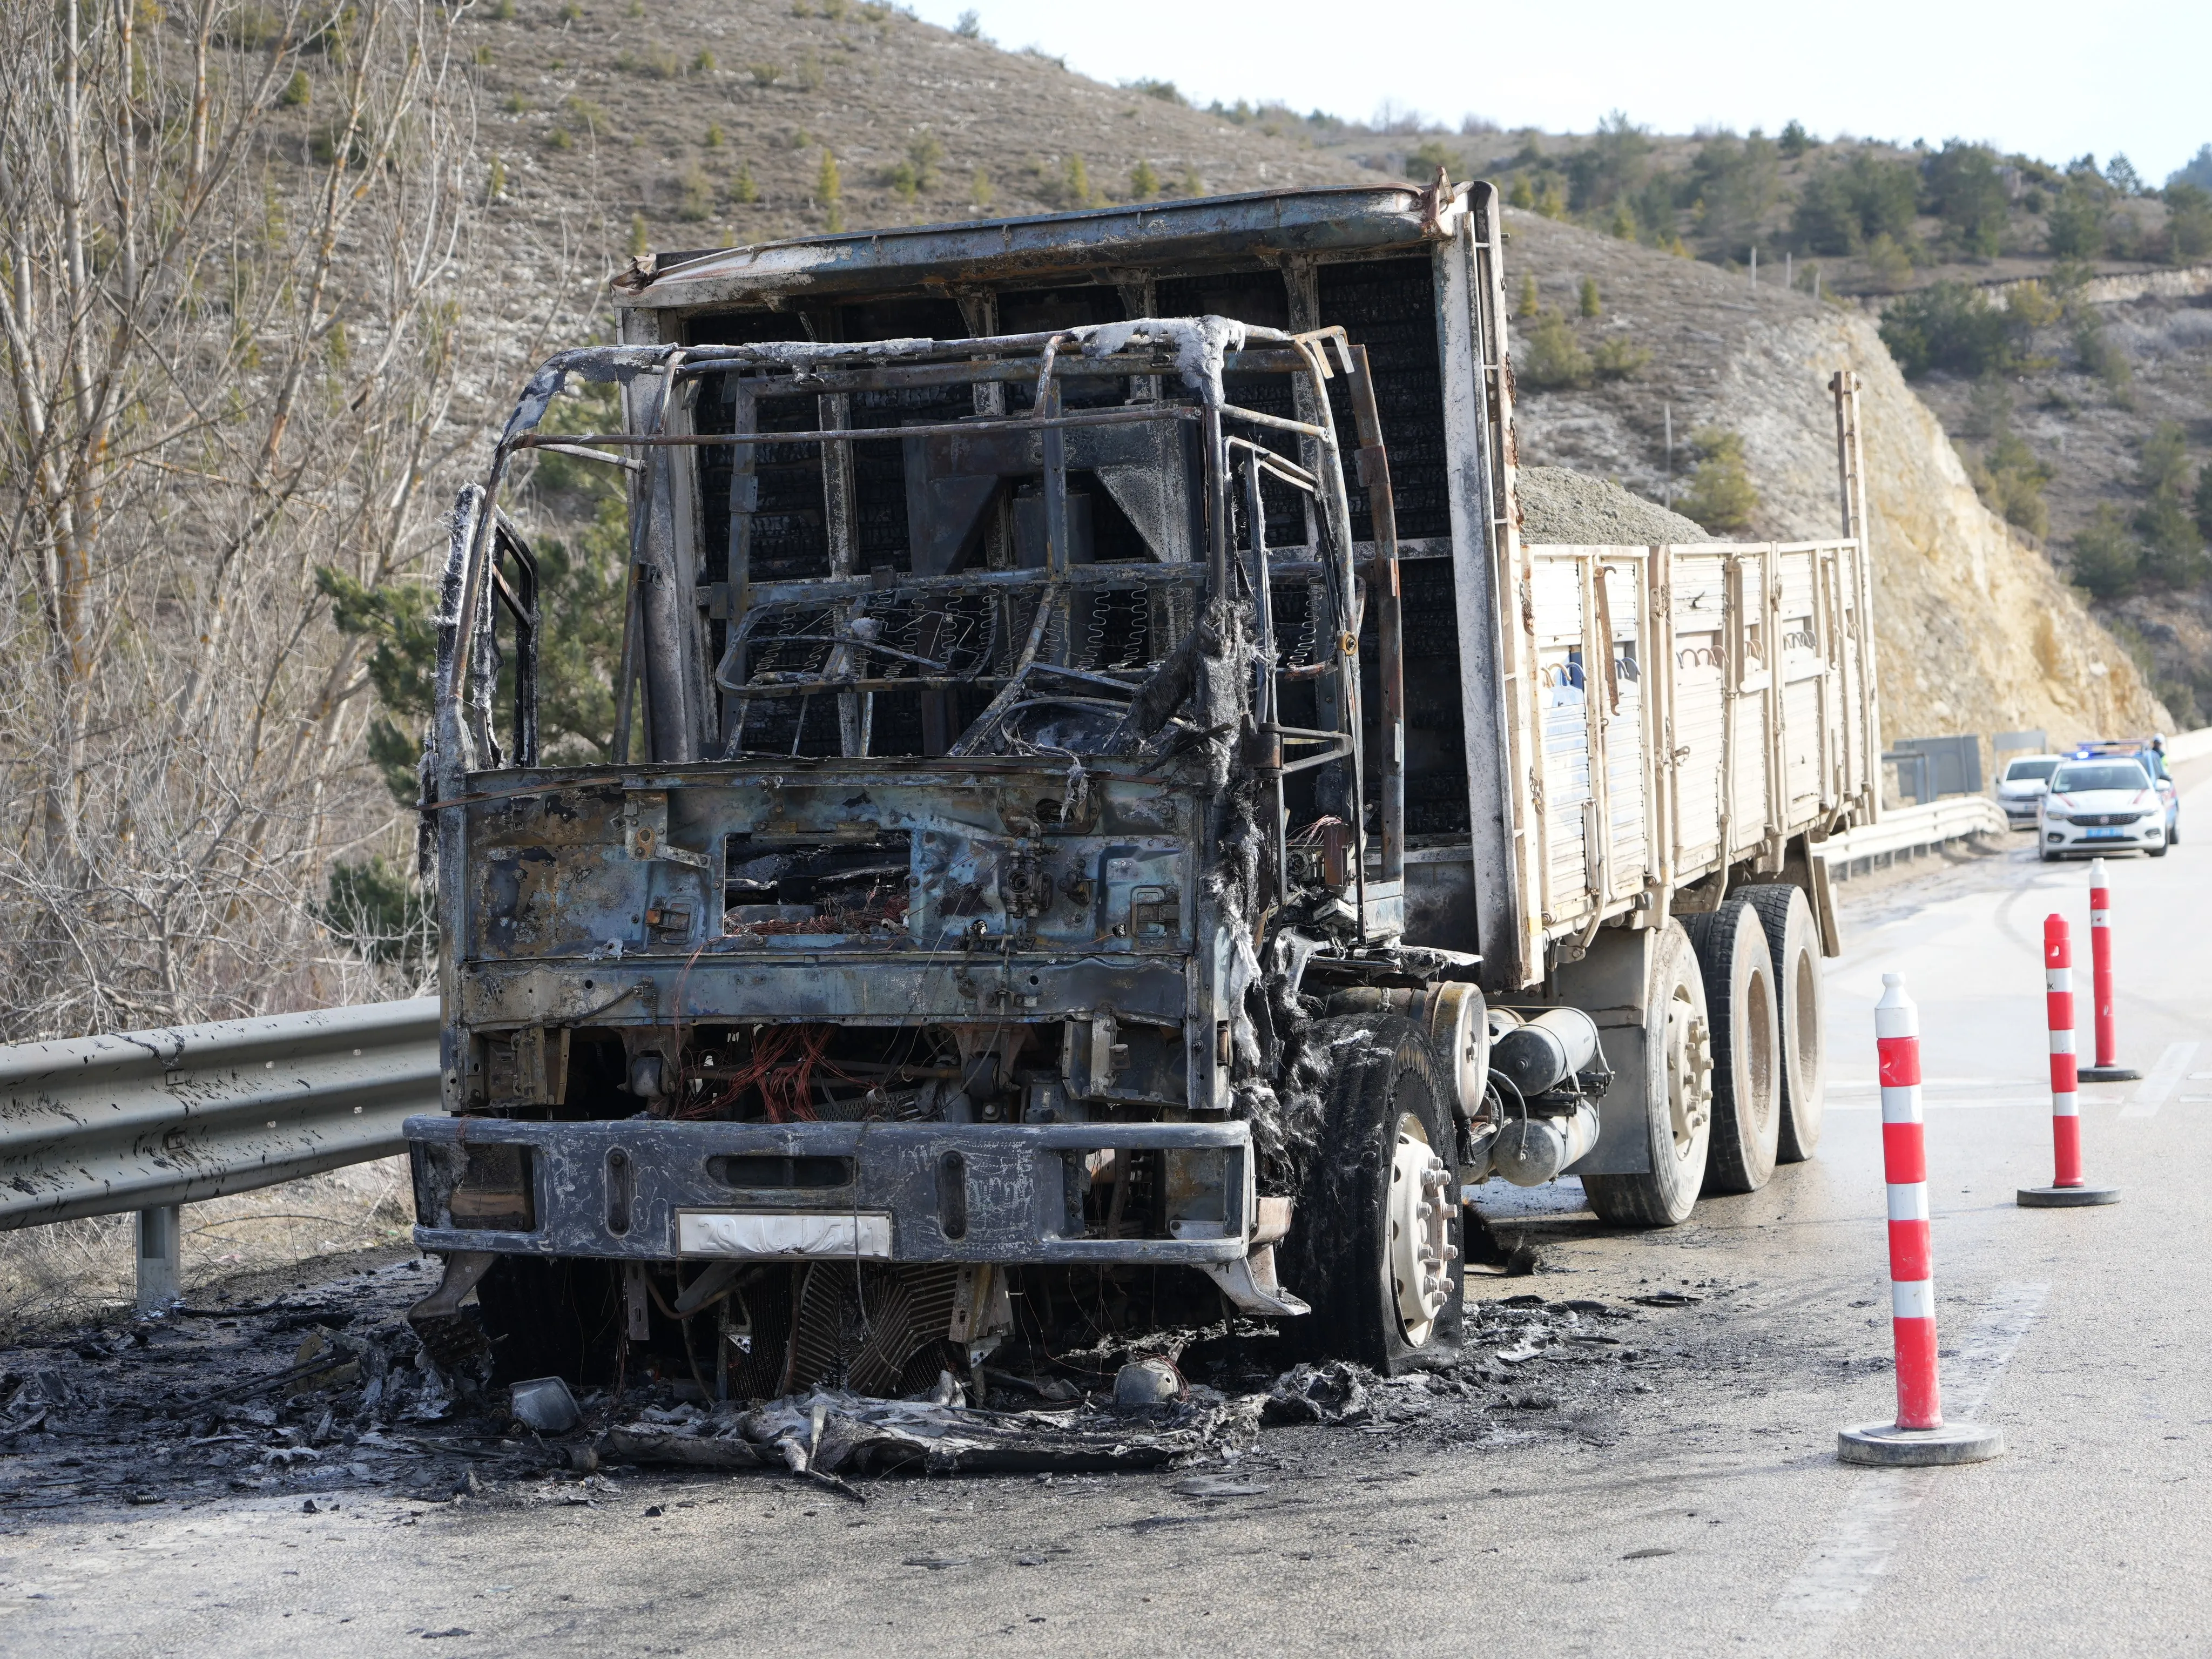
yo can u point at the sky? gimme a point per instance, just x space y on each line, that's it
2052 81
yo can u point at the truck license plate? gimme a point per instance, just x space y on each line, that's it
793 1236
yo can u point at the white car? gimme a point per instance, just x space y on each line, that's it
2100 806
2021 787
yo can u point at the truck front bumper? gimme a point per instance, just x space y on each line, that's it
645 1189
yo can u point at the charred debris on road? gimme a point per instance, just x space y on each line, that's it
325 1393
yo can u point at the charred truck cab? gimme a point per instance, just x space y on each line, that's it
1007 910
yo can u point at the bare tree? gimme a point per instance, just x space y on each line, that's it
234 246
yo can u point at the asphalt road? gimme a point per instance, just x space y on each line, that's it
1693 1506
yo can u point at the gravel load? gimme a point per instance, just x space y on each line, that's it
1564 508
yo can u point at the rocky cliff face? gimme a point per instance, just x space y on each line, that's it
1975 632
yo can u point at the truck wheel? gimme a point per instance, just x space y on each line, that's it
1375 1241
1738 974
1678 1069
1787 919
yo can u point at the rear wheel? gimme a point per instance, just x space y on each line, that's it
1787 920
1678 1067
1739 996
1375 1241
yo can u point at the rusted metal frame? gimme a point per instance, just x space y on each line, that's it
626 675
782 380
1122 414
1777 771
1040 628
744 503
839 494
807 356
979 310
820 592
1139 292
1269 761
1277 466
523 607
1389 627
1336 520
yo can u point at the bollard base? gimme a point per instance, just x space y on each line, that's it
2109 1074
1885 1445
2066 1198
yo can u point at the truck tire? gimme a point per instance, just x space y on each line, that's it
1677 1096
1739 996
1787 919
1378 1197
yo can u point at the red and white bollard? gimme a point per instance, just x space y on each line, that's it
1919 1435
2108 1068
2067 1190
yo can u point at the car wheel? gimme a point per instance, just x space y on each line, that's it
2159 851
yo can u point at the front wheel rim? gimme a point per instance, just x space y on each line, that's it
1417 1249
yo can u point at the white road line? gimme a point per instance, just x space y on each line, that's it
2161 1081
1855 1549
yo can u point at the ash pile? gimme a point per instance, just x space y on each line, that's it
328 1396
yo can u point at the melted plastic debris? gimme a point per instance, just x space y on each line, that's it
830 1432
1201 344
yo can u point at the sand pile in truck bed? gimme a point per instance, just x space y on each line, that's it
1564 508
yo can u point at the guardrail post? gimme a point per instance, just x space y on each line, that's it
160 1256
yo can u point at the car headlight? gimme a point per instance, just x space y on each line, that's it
2056 818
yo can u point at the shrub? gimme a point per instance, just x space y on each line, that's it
570 12
1553 357
2202 501
1843 207
1520 196
1720 496
1530 305
2010 479
810 72
1795 140
503 11
1619 359
1889 262
1422 160
1968 196
702 62
496 185
901 180
1191 184
640 239
1165 91
2172 551
2097 354
2162 463
1587 304
2031 303
742 187
1144 182
1551 199
383 915
765 75
515 104
297 90
926 154
2188 222
1952 327
694 195
970 26
828 184
2105 557
1623 223
2075 228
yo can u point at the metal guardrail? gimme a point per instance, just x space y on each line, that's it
147 1121
1904 828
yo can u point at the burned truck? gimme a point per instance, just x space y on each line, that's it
1107 821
